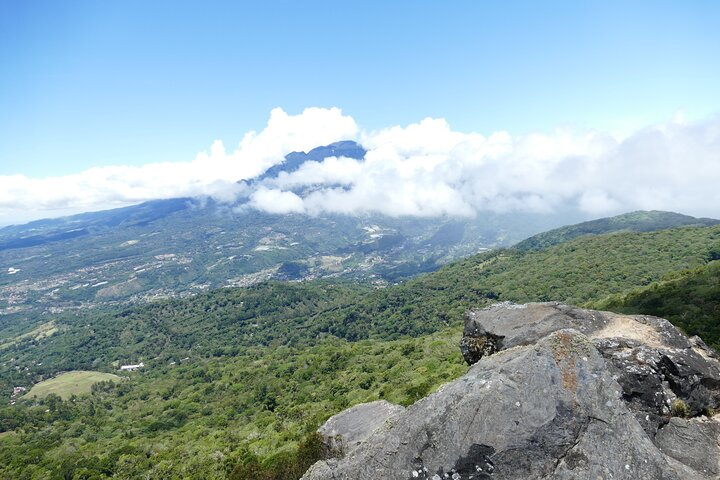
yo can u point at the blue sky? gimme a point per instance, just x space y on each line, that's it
88 83
603 106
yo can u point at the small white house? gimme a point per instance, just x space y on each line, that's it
132 368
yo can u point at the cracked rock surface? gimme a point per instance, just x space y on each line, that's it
571 394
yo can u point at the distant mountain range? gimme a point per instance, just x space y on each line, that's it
253 371
179 247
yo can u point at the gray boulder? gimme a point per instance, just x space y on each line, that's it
653 361
343 432
561 398
525 324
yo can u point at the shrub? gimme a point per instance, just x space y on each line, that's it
679 408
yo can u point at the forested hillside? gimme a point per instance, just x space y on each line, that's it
276 313
640 221
209 416
236 380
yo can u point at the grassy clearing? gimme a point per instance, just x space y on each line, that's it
69 383
43 331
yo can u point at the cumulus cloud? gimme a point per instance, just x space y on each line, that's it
422 169
427 169
212 173
277 201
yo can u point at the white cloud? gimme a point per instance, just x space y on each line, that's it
427 169
212 173
422 169
277 201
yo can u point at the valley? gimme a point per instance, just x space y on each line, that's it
244 375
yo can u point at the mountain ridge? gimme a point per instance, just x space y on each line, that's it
294 160
637 221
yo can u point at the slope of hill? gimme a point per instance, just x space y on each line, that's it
641 221
202 417
576 272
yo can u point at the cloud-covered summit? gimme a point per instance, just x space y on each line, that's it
212 173
427 169
422 169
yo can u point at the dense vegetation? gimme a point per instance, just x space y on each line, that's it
224 321
238 379
640 221
251 415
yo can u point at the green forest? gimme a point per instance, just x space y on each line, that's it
236 381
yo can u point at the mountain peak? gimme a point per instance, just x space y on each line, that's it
293 160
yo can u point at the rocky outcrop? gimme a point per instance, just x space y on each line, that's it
347 430
655 364
554 392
